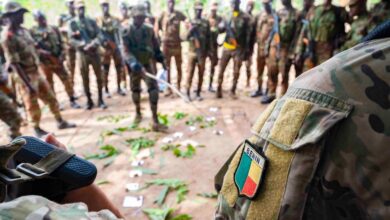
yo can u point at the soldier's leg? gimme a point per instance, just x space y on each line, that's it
106 61
260 62
168 60
191 70
226 55
84 71
284 68
96 65
213 63
272 77
66 81
70 60
30 101
248 65
236 74
10 115
119 72
178 61
201 70
135 86
48 72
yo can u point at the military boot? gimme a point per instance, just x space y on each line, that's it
257 93
199 97
90 104
101 104
156 126
62 124
121 92
73 103
40 132
267 99
188 95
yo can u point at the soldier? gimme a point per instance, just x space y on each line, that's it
248 62
21 54
299 54
324 33
109 30
321 151
264 26
199 37
214 20
150 19
140 48
237 28
49 46
380 12
84 36
70 51
169 24
360 23
124 12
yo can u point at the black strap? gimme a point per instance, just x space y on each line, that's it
380 32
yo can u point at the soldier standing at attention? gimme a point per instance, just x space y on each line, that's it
140 49
169 24
360 23
70 51
150 19
302 22
324 33
20 53
84 36
109 31
237 28
281 51
248 60
214 20
49 46
380 12
264 26
322 150
199 38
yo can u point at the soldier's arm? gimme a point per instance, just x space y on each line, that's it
208 37
128 56
181 16
95 42
74 36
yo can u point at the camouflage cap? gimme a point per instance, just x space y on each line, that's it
38 13
104 2
356 2
198 5
79 3
138 10
11 7
214 5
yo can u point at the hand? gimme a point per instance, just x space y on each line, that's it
135 67
51 139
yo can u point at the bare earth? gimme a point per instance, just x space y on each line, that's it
234 118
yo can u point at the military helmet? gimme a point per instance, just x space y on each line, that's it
38 14
11 7
79 3
198 5
138 10
104 2
356 2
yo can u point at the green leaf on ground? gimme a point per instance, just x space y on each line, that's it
179 115
208 195
188 153
177 185
158 214
162 196
163 119
147 171
137 144
113 118
102 182
168 147
108 151
182 217
195 120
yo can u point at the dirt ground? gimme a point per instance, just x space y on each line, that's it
234 118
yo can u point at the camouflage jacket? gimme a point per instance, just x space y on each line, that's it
169 24
214 31
264 25
49 39
125 22
139 44
20 48
201 33
150 19
238 23
63 27
359 29
380 13
252 38
39 208
109 28
326 144
288 19
82 32
301 32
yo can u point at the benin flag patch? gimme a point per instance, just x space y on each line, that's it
250 170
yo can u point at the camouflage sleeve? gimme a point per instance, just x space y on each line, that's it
208 37
10 51
74 35
181 16
39 208
128 56
97 41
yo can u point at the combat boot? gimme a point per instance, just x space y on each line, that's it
101 104
62 124
199 97
267 99
73 103
89 105
121 92
40 132
157 127
233 95
257 93
211 89
188 95
137 118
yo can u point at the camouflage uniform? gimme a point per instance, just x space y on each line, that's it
359 29
10 115
380 13
280 61
326 142
70 51
325 29
49 39
169 24
110 27
19 48
252 41
197 56
264 25
83 31
214 21
140 47
39 208
239 23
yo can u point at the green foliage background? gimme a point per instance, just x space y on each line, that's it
53 8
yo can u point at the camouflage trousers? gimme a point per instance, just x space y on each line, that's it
283 65
9 115
83 62
260 61
59 70
43 92
135 85
106 61
323 52
213 56
248 65
226 56
173 52
193 62
70 63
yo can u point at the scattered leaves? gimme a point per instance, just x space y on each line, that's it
147 171
208 195
165 214
137 144
173 184
189 153
179 115
108 151
168 147
163 119
102 182
113 118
